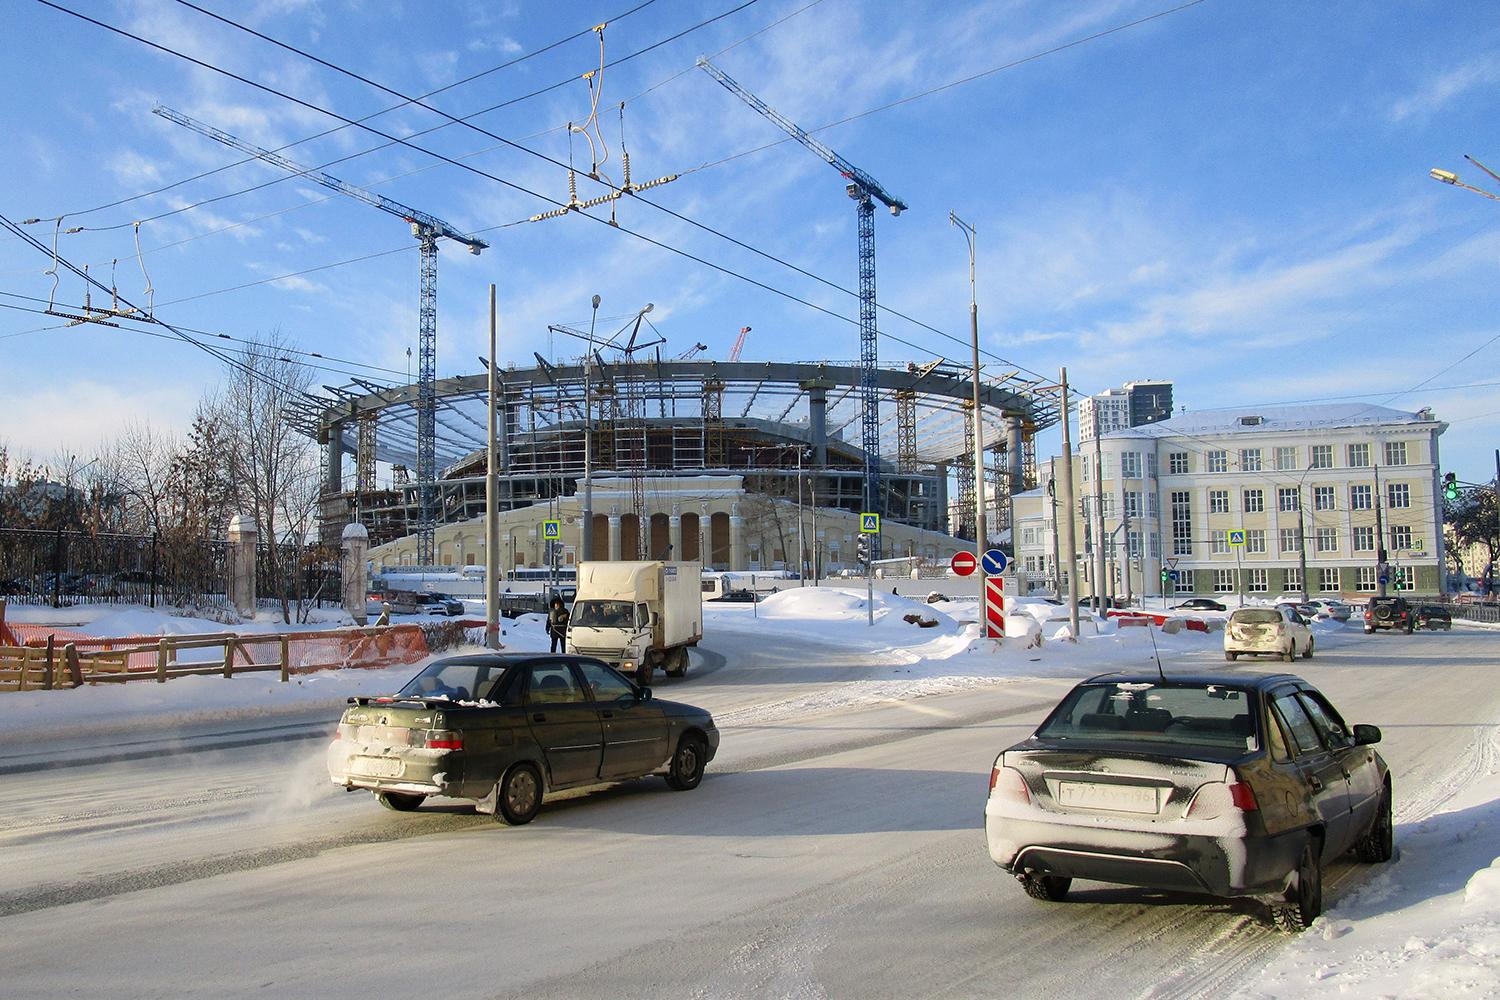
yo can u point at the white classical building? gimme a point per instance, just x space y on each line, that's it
1238 500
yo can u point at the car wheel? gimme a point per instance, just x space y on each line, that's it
1231 657
686 769
644 671
1379 844
1048 888
679 663
520 795
1369 631
399 801
1307 653
1305 901
1290 653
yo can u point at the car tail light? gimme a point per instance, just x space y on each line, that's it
1369 615
445 739
1008 783
1216 798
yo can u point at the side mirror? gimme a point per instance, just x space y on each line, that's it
1365 735
644 694
655 616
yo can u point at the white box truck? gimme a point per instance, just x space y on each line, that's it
638 616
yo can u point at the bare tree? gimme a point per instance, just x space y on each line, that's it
273 469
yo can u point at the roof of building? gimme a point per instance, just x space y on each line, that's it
1274 418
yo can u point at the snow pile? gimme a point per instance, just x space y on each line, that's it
1428 925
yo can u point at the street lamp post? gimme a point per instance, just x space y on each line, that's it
1302 534
586 536
981 539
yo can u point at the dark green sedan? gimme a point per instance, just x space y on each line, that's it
503 729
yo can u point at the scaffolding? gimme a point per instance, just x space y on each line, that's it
906 431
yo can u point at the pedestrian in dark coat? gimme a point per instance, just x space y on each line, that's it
557 625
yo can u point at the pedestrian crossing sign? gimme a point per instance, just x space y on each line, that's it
551 530
869 524
1237 537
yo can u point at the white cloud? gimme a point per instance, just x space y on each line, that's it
72 415
1444 87
133 168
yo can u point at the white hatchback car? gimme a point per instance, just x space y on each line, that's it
1268 632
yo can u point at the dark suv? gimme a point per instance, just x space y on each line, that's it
1389 612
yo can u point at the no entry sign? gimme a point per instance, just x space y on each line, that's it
963 563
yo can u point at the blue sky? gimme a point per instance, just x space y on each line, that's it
1234 196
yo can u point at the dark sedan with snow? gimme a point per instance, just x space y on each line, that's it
1231 784
504 729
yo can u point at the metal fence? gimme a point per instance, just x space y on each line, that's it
65 567
306 575
1487 611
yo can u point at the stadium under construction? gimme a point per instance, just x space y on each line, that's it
701 459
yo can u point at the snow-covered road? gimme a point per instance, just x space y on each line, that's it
834 850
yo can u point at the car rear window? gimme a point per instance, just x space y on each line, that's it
1255 616
1195 714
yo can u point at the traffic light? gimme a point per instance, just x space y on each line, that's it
1450 487
1166 576
864 549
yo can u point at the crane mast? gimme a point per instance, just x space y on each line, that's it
427 229
865 190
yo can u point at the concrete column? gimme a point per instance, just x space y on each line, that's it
1013 449
674 531
614 537
817 423
355 574
738 560
942 499
333 476
243 536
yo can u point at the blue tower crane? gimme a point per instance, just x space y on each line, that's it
428 229
865 190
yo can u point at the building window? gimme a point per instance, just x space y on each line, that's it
1255 501
1286 458
1218 461
1105 472
1133 544
1182 523
1395 453
1249 459
1294 578
1151 505
1397 495
1359 456
1255 581
1255 540
1155 545
1327 539
1287 498
1218 501
1223 581
1086 505
1177 463
1151 464
1322 456
1359 497
1322 498
1130 465
1289 539
1087 464
1364 539
1184 584
1107 505
1366 582
1218 542
1328 580
1132 503
1400 536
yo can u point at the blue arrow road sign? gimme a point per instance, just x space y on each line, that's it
1172 575
1385 579
994 562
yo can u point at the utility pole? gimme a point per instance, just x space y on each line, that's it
1100 556
981 530
1381 567
586 537
1069 539
491 507
1301 544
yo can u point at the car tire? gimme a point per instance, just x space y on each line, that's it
1305 901
1231 657
1047 888
685 772
1379 844
678 663
644 672
1290 653
520 795
1369 631
400 801
1307 653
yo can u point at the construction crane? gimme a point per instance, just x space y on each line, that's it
739 344
428 229
692 352
865 190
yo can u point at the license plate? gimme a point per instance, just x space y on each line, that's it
1094 795
376 767
388 735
